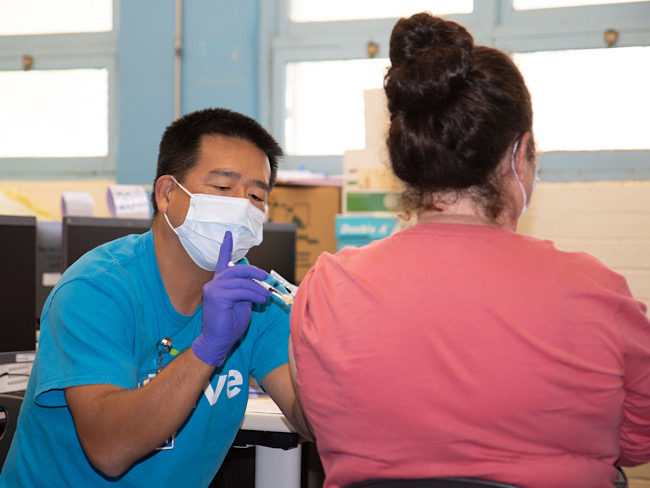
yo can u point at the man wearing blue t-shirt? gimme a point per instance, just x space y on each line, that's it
147 342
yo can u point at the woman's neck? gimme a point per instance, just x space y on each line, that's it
442 217
461 211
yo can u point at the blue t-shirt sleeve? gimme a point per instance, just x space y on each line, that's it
85 339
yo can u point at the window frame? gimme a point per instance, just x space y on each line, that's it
494 23
93 50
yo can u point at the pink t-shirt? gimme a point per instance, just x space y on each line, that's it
461 350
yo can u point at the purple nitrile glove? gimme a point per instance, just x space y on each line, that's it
227 306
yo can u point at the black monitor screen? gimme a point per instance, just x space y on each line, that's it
81 234
277 251
17 283
48 261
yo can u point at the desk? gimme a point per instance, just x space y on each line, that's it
277 449
15 368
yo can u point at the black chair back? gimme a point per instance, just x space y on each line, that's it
9 408
431 483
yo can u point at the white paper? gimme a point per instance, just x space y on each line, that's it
79 204
128 201
50 279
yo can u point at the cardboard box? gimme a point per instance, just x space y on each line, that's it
313 209
356 230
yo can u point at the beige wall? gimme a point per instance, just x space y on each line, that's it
43 198
639 477
609 220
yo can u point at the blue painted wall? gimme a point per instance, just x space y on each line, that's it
219 69
220 55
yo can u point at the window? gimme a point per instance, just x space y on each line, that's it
538 4
37 119
589 99
19 17
310 112
57 69
310 11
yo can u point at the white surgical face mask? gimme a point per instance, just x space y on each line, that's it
521 185
207 220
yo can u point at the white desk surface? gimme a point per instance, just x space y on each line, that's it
273 467
263 414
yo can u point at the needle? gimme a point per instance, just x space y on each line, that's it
288 299
285 298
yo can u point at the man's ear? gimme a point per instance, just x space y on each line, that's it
521 165
164 187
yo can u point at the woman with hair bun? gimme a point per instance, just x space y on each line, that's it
457 347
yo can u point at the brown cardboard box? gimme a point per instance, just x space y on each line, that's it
313 209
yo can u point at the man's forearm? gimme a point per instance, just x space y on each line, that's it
117 427
300 422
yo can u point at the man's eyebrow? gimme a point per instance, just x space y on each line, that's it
227 173
263 185
236 176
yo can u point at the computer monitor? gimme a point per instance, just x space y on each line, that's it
48 261
81 234
17 283
277 251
